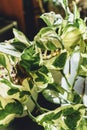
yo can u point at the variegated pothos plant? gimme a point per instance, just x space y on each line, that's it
27 66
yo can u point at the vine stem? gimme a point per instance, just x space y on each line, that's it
41 109
30 115
65 78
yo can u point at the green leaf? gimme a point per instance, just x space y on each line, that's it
9 110
8 90
41 78
2 60
21 37
8 83
47 37
56 87
83 65
9 49
15 107
48 18
40 45
18 45
83 124
23 93
30 60
52 92
51 46
75 98
51 96
71 36
31 84
0 104
5 61
81 25
62 118
43 75
44 32
60 61
72 117
13 91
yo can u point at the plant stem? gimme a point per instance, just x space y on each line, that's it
10 76
65 78
41 109
31 116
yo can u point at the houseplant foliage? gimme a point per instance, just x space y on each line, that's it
27 69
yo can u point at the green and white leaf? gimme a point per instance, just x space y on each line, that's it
71 36
63 118
48 36
19 46
83 66
8 110
21 37
8 90
30 59
42 78
52 93
48 18
9 49
52 19
5 61
60 61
